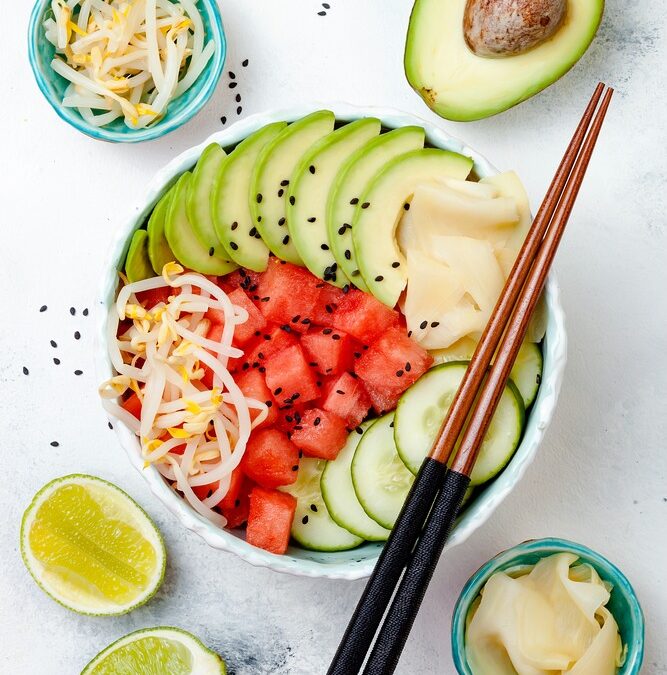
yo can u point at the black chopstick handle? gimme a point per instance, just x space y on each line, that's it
380 587
405 605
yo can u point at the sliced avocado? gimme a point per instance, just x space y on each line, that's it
137 263
350 182
309 191
158 246
461 85
272 174
230 201
185 244
198 202
380 208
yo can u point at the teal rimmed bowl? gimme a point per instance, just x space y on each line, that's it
179 110
623 603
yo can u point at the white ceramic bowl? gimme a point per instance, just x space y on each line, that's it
359 562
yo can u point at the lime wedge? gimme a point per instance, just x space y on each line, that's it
156 651
91 547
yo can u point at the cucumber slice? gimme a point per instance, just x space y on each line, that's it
351 181
184 243
381 481
273 171
137 263
340 497
198 203
159 251
423 406
527 372
230 201
313 527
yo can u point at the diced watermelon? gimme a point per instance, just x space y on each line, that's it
329 351
364 317
288 418
246 280
389 366
320 433
237 511
270 519
327 302
243 332
290 378
252 384
287 295
347 398
270 458
133 405
270 341
235 482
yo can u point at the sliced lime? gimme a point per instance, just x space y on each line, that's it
156 651
91 547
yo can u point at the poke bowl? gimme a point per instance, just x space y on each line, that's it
410 162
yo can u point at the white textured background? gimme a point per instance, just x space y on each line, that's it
601 476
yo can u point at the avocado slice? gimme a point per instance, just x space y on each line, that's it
273 171
309 191
460 85
380 208
137 263
198 201
351 180
159 251
183 241
230 201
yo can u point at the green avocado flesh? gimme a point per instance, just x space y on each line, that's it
230 201
353 177
460 85
138 264
272 174
309 191
379 210
158 246
187 248
198 202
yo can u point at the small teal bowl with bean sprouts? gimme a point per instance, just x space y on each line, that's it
127 72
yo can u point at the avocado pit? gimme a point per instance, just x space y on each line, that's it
502 28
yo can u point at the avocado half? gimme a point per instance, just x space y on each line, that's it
459 85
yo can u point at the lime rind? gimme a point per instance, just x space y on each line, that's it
204 660
140 518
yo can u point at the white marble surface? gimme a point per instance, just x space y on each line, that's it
600 477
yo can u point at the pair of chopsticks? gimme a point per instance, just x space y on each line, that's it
419 535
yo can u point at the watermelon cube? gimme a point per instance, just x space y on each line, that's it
320 433
287 295
246 280
258 351
347 398
270 458
253 385
327 302
389 366
243 332
288 418
364 317
270 519
290 378
329 351
236 511
235 482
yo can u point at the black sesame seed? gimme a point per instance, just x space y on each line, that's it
56 361
277 391
327 331
259 197
26 371
262 369
359 430
354 200
110 425
239 110
326 5
258 333
435 324
406 206
281 222
409 333
234 225
286 239
232 85
312 219
305 321
244 63
284 182
399 373
238 98
77 335
287 328
408 366
211 251
348 254
78 372
423 324
54 444
245 366
316 421
223 119
395 264
253 231
324 247
321 13
297 416
268 403
85 311
328 309
297 427
233 245
295 396
288 418
43 308
232 76
295 319
379 277
340 391
300 454
53 343
72 311
313 364
295 468
313 508
391 424
292 201
281 192
335 336
346 288
365 205
357 355
304 520
311 168
355 273
341 230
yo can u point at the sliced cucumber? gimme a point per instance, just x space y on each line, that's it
313 527
272 174
527 372
230 201
137 264
381 481
198 203
340 497
423 407
159 251
189 251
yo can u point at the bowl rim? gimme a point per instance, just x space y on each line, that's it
554 351
204 86
543 547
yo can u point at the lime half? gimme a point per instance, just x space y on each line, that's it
156 651
91 547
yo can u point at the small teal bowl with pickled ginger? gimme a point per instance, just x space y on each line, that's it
178 111
623 603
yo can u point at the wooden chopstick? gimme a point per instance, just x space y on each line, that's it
434 480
